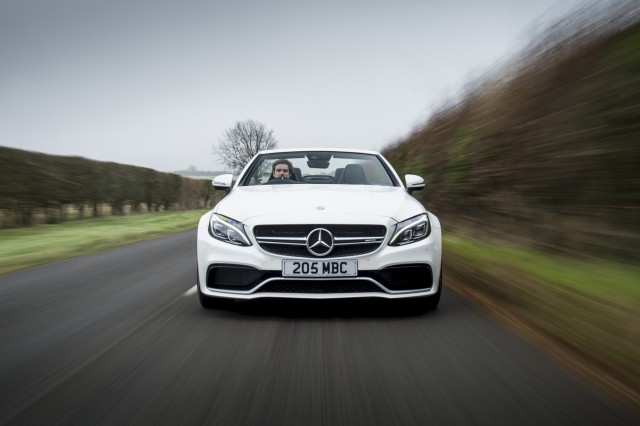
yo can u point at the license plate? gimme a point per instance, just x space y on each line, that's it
320 268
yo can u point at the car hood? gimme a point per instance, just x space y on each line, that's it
319 203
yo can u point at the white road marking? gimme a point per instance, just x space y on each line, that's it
191 291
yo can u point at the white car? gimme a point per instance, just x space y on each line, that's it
343 226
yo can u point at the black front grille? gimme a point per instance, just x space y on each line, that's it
320 287
298 233
303 230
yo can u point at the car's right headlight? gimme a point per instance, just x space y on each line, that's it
228 230
411 230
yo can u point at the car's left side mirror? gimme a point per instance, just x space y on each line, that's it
413 183
223 182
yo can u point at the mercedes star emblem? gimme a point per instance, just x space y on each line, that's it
320 242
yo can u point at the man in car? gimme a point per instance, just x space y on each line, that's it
282 169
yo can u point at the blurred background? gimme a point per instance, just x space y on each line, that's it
544 149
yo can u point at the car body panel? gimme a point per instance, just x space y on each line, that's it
317 201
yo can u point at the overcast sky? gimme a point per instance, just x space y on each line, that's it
154 83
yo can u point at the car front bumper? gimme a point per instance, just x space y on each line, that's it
391 272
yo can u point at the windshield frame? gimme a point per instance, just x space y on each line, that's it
255 173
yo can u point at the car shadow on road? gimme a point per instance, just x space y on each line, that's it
330 308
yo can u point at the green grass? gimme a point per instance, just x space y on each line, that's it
22 248
598 277
590 305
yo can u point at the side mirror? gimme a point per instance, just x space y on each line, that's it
223 182
413 183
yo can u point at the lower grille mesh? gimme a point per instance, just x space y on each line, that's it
413 277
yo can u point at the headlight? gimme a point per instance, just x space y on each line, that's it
228 230
411 230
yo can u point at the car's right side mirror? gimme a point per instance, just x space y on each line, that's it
413 183
223 182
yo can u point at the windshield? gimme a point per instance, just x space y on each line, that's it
322 167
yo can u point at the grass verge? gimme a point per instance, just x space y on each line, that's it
22 248
587 311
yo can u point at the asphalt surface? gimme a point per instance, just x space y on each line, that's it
119 338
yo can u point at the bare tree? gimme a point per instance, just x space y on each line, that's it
241 142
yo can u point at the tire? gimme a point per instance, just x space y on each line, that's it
425 304
432 301
209 302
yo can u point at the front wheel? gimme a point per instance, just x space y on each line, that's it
428 303
432 301
210 302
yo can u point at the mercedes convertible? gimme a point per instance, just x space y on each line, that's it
319 224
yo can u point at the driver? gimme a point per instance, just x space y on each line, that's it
282 169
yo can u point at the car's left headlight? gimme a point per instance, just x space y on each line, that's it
411 230
228 230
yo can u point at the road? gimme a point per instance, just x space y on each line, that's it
119 338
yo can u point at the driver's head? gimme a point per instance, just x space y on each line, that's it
282 169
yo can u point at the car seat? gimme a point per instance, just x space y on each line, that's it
338 175
354 175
